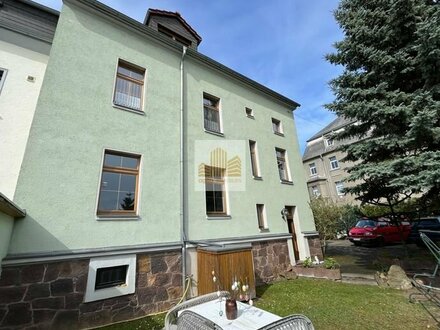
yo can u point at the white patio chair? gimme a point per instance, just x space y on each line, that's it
291 322
193 321
427 290
171 317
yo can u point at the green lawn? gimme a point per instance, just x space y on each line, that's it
330 305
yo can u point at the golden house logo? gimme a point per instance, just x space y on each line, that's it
220 162
220 165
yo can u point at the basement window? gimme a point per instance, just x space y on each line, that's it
110 277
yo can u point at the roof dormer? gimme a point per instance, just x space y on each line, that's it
173 26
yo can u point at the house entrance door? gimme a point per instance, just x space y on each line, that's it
289 218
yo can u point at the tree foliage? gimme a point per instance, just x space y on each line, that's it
331 218
390 87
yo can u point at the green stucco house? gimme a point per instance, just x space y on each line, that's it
147 166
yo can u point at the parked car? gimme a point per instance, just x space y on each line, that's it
378 232
430 224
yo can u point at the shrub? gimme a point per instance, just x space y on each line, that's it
307 263
330 263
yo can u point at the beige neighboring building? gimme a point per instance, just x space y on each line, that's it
322 162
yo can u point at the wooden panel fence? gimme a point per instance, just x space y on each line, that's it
226 263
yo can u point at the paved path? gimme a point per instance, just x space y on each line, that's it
368 260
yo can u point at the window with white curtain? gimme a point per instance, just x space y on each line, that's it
129 86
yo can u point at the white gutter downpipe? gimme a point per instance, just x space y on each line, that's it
182 172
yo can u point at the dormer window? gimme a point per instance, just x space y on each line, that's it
173 35
329 142
172 25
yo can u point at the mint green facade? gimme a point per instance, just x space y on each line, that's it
234 98
75 121
6 226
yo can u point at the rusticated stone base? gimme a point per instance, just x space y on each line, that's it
315 247
51 295
271 260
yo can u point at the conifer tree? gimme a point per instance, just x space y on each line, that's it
390 87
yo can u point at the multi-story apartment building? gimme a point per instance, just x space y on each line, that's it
323 166
146 163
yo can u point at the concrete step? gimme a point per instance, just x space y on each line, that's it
353 278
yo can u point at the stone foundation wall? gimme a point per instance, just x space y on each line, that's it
271 259
315 247
50 295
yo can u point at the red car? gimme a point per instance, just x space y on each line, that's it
378 232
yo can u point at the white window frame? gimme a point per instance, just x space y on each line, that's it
334 163
286 162
255 164
251 112
262 223
329 142
315 191
120 290
219 100
313 169
339 185
280 131
2 80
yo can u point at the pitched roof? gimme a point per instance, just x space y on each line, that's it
336 124
177 15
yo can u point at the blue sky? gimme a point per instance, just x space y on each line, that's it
279 43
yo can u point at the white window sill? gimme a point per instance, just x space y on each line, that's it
335 169
119 218
214 133
120 107
264 230
250 116
222 217
279 134
290 183
258 178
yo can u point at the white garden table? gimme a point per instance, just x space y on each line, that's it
249 317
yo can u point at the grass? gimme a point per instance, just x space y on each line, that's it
330 305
